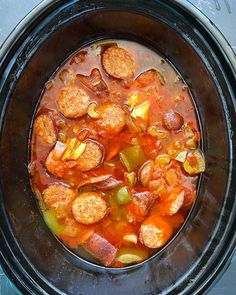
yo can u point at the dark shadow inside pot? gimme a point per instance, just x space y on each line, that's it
60 34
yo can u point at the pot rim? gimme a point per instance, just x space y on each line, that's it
12 42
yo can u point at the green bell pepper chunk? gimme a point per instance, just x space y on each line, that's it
52 222
123 196
131 255
131 177
194 162
132 157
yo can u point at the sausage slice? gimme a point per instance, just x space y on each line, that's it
45 130
118 62
100 248
91 157
172 121
112 118
73 102
59 198
155 232
89 208
143 202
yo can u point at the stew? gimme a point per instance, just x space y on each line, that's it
115 154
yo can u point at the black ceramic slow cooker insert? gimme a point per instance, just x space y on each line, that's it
30 254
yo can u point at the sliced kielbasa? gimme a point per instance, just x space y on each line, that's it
155 232
59 198
73 102
45 129
172 121
91 157
112 118
100 248
118 62
89 208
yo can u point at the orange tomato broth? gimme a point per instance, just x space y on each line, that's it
173 95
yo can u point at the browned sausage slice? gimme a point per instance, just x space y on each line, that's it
174 202
89 208
155 232
172 121
45 130
73 102
100 248
118 63
105 182
59 198
91 157
146 78
143 202
112 118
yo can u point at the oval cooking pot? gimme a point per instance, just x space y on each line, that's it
30 254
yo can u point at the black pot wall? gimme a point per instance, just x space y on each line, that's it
31 255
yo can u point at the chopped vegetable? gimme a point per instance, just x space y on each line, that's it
78 151
132 238
49 84
92 112
113 150
161 78
158 133
188 132
76 129
177 144
171 150
62 137
132 157
194 163
131 177
162 159
134 141
112 201
141 111
133 100
74 150
110 165
52 222
67 77
181 156
58 150
123 196
131 255
72 142
133 127
171 177
191 144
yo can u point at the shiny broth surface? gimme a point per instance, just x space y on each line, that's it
115 153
